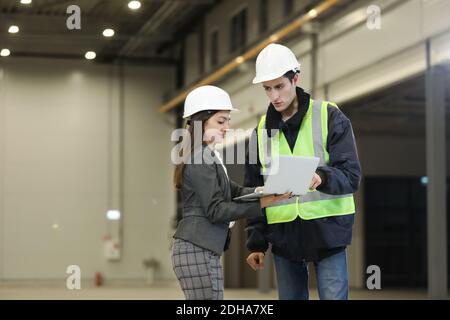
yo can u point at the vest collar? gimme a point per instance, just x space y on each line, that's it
273 117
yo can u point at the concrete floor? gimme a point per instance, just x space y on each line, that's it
168 291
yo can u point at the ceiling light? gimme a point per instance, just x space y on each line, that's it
312 13
13 29
108 32
274 37
113 215
134 5
90 55
25 1
5 52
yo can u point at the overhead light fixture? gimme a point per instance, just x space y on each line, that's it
312 13
134 5
274 37
90 55
5 52
108 32
25 1
13 29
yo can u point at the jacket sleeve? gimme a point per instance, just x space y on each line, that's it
203 179
256 227
237 190
343 172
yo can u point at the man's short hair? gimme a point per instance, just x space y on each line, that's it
290 75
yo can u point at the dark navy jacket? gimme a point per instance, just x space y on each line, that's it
309 240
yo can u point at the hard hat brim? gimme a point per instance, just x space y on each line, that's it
257 79
216 109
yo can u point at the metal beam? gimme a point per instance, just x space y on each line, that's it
62 37
107 58
149 27
187 28
436 172
32 17
252 52
194 2
50 4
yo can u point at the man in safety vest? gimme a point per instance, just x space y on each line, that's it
316 227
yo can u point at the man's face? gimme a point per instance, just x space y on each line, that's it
281 92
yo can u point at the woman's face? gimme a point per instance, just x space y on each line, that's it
216 127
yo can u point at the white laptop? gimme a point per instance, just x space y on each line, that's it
292 174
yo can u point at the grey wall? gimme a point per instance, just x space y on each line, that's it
60 167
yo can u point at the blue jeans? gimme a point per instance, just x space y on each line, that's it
331 272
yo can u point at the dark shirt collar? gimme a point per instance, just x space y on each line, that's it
273 117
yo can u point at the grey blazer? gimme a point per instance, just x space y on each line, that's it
207 204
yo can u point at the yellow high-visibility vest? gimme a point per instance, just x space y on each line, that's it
311 141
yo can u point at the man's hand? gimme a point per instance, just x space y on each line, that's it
256 260
316 181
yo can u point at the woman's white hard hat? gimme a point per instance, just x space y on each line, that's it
207 98
274 61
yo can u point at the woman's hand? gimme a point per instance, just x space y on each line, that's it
259 189
268 200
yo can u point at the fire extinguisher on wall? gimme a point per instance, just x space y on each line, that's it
98 279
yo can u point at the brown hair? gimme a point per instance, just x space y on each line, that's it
290 75
201 116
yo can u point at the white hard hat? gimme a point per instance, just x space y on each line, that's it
274 61
207 98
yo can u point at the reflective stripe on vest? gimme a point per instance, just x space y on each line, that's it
311 141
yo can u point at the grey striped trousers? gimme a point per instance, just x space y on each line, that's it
198 271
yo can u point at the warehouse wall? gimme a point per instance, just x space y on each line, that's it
61 167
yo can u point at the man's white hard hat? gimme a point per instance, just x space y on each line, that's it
274 61
207 98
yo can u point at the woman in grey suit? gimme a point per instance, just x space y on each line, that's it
208 209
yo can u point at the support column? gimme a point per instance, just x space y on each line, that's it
436 172
2 168
314 62
265 275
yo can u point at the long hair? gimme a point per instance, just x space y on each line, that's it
201 116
